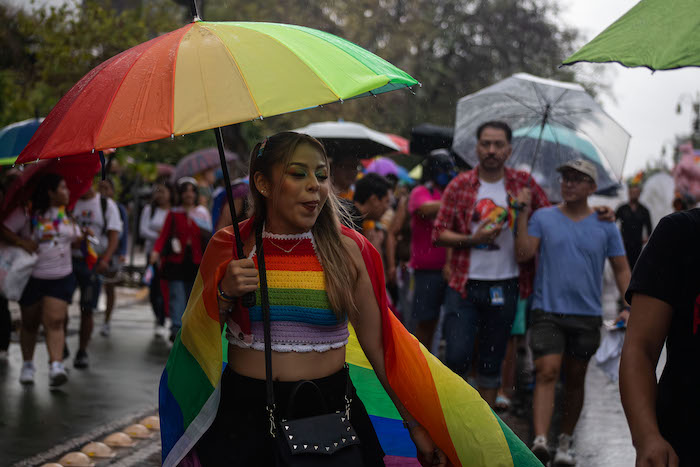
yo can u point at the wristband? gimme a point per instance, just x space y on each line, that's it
223 296
626 308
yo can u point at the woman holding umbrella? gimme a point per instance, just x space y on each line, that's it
49 231
296 222
181 244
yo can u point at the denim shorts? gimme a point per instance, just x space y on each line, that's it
89 284
428 294
37 289
555 333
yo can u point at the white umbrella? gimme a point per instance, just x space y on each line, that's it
343 139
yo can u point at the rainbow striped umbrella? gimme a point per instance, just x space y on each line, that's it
206 75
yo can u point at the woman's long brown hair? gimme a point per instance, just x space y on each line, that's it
335 258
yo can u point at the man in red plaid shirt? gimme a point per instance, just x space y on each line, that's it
476 219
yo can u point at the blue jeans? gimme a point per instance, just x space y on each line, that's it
467 318
179 292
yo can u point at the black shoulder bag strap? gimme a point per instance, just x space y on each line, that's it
103 205
270 396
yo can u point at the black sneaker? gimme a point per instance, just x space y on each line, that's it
81 360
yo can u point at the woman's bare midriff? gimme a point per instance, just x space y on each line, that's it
286 366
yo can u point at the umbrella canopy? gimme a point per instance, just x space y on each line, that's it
165 170
200 161
657 34
78 172
556 146
427 137
561 114
14 137
385 166
206 75
401 142
346 139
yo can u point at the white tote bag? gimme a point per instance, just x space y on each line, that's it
16 266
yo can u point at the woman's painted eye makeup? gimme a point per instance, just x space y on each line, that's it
298 172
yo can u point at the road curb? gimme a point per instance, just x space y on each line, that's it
93 435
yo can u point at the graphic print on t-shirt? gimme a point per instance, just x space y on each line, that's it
46 229
487 210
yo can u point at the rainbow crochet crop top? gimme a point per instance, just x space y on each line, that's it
300 314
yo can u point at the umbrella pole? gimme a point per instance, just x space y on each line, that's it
229 193
248 299
545 117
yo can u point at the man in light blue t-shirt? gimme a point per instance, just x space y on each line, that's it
572 245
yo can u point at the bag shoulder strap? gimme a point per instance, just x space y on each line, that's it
103 205
265 299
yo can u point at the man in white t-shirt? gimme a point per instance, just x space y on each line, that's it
100 217
476 219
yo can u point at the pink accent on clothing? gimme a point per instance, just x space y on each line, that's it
424 255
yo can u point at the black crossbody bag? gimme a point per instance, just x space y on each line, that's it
321 440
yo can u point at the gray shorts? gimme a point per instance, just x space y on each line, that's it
555 333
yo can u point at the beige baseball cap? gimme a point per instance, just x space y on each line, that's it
583 166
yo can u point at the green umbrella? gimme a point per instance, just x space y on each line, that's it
657 34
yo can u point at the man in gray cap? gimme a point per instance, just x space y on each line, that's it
572 243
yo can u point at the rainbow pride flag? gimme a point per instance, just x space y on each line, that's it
89 253
454 414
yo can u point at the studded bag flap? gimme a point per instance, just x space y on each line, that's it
321 434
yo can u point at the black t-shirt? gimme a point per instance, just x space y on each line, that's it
633 222
669 270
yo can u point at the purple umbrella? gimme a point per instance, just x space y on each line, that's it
383 166
200 161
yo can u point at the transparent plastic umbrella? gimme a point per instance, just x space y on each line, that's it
556 121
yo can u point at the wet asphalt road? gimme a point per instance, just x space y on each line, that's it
38 425
122 379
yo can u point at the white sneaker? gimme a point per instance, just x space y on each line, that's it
159 332
57 374
105 330
26 375
540 449
565 455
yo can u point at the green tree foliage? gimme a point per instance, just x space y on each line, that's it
454 47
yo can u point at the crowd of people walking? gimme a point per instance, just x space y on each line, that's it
474 259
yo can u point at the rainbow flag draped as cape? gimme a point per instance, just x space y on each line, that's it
458 420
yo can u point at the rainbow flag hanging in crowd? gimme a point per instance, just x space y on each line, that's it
458 420
89 253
